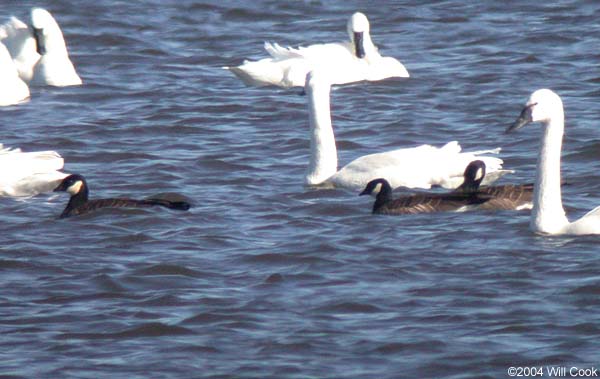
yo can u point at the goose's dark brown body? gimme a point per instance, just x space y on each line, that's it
93 205
427 203
507 197
79 204
469 196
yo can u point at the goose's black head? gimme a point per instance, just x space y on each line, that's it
381 189
474 174
74 184
374 187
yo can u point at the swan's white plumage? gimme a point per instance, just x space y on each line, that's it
548 215
53 67
17 37
287 67
27 174
417 167
12 89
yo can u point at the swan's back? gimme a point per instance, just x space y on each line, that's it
417 167
12 89
587 224
27 174
287 66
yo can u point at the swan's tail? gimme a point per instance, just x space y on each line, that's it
258 74
492 164
457 161
490 151
279 52
451 147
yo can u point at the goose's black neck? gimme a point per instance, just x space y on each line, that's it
77 200
469 187
384 196
474 174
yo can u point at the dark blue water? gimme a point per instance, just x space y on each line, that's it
264 278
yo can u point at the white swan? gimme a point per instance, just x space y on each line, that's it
347 62
548 215
416 167
19 41
27 174
12 89
39 52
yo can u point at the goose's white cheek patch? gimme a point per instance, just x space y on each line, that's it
479 174
377 189
75 187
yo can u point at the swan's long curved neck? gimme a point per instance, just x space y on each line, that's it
323 152
548 215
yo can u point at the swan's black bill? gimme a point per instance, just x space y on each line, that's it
39 41
524 119
359 45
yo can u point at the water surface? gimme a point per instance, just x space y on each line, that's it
265 278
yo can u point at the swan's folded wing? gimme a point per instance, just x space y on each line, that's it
416 167
386 67
34 184
27 174
593 213
31 162
588 224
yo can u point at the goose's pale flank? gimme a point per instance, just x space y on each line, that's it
79 203
346 62
417 167
28 174
548 215
468 196
13 90
39 50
